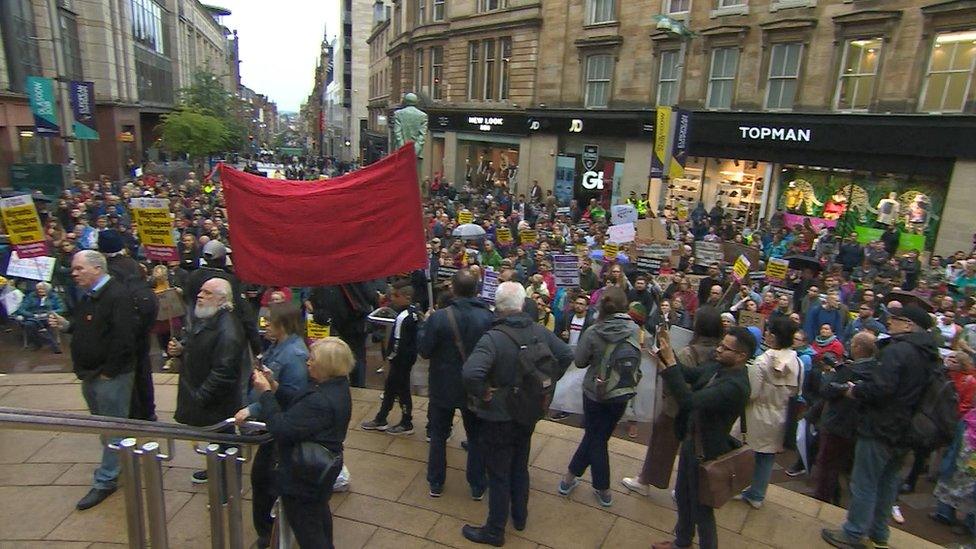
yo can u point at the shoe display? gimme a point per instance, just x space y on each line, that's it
199 477
634 486
93 498
480 534
374 425
400 429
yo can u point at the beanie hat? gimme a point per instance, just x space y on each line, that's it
214 249
728 316
110 241
637 312
914 313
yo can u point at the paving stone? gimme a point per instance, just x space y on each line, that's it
190 526
166 397
559 430
23 380
364 440
793 500
111 524
19 446
832 515
48 397
5 390
627 533
41 544
635 508
31 474
780 526
728 539
456 500
388 539
77 474
447 531
31 512
70 448
380 512
631 449
554 455
732 515
380 475
547 522
349 533
165 379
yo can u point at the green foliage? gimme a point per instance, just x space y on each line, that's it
206 95
193 132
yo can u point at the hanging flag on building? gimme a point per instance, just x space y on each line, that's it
83 109
40 93
681 133
661 155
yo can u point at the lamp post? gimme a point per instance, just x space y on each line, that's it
681 31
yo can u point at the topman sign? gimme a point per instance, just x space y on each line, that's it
762 133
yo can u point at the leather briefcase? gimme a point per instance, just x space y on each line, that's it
725 476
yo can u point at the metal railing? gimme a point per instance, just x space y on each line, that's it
142 469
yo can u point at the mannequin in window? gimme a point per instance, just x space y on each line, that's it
888 209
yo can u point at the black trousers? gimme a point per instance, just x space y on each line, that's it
599 421
143 404
691 513
439 422
311 520
506 445
397 387
262 494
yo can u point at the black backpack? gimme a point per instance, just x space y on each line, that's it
144 303
527 398
934 422
618 372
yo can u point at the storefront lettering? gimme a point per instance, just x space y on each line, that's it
576 126
775 134
485 123
592 180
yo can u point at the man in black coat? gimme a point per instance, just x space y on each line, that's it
888 398
345 308
710 399
447 339
102 355
212 376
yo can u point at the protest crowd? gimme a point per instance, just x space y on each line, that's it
723 337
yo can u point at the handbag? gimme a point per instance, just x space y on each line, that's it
311 462
725 476
796 407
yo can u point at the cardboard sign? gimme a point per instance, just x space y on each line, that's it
776 269
155 228
529 236
316 331
622 234
707 253
489 286
503 235
23 226
562 210
751 318
650 230
623 213
741 268
610 251
465 216
446 273
565 270
170 304
733 250
31 268
650 256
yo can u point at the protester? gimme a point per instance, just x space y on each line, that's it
33 316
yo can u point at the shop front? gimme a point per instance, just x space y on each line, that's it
860 173
739 186
479 148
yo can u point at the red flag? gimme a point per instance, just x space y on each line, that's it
353 228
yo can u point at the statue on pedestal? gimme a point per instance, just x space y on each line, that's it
410 125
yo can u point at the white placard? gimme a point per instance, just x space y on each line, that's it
623 213
34 268
622 234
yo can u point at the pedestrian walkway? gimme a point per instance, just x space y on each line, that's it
42 475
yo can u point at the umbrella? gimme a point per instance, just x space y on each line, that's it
910 298
468 230
799 262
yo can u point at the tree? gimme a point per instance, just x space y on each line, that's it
207 95
194 133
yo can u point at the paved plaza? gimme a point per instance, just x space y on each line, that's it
43 474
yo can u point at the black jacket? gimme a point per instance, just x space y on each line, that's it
320 414
495 357
401 347
717 406
213 372
840 414
891 392
436 337
242 308
102 337
850 256
564 323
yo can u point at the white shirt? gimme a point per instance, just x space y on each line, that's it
576 328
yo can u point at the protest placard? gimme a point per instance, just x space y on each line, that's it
445 272
610 251
31 268
741 268
314 330
155 228
503 235
776 269
465 216
565 270
528 236
23 226
489 285
733 250
562 210
621 234
751 318
650 230
707 253
623 213
651 255
170 304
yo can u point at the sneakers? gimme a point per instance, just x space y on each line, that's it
565 489
603 497
634 486
400 429
839 538
199 477
796 471
436 491
896 515
753 503
879 544
374 425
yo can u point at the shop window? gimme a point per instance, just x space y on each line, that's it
148 27
506 64
599 69
439 10
488 46
489 63
418 77
721 80
855 86
33 149
730 3
784 73
490 5
667 83
601 11
675 7
436 71
950 72
421 12
474 72
69 43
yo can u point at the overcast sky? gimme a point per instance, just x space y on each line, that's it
279 43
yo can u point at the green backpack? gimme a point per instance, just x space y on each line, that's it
618 373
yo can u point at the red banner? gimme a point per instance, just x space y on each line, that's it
357 227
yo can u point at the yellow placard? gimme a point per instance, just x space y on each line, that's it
20 218
503 235
610 251
314 330
776 269
465 216
529 236
682 211
154 225
741 268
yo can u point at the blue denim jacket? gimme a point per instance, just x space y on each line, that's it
287 360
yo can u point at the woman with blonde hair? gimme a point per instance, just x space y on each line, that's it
319 415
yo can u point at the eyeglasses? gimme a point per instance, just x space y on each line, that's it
722 347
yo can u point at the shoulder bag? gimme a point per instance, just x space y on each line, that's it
311 462
725 476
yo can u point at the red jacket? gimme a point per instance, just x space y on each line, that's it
966 389
834 346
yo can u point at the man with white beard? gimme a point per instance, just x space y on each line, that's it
214 361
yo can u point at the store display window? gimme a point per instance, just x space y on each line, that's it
738 185
488 164
865 203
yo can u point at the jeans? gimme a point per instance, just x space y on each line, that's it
874 487
506 445
760 477
599 421
311 520
108 397
439 424
397 387
691 513
262 483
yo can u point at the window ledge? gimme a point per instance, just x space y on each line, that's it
777 5
602 25
729 10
